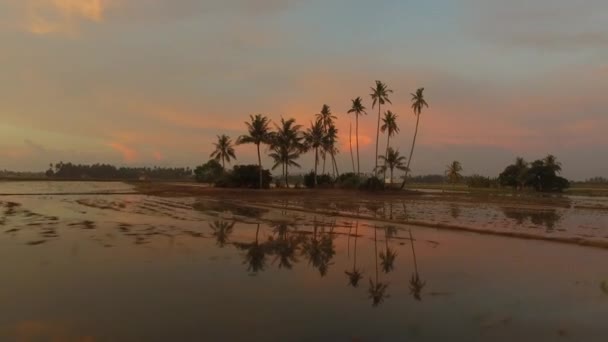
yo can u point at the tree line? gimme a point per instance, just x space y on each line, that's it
107 171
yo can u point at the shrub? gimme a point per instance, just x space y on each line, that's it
209 172
323 181
248 176
348 181
372 184
477 181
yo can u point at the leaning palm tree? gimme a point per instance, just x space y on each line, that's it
452 172
286 145
389 125
393 160
258 133
379 96
314 138
357 108
418 103
224 150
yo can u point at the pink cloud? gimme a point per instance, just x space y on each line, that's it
128 154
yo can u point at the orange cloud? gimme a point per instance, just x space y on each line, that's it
128 154
158 156
61 16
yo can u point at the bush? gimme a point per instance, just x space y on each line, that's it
372 184
477 181
209 172
348 181
244 176
323 181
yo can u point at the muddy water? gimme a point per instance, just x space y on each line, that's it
129 267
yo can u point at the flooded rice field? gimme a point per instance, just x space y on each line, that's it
99 262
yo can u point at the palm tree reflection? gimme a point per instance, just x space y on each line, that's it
285 246
221 231
377 290
416 284
389 255
319 249
355 275
255 256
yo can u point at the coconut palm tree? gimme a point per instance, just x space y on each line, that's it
286 145
221 231
350 144
258 133
327 118
224 150
329 146
389 125
418 103
393 160
379 96
357 108
314 138
452 172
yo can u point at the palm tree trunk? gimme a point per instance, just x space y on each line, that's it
260 165
350 143
391 175
316 163
324 156
357 138
333 157
388 139
286 172
377 141
223 164
409 160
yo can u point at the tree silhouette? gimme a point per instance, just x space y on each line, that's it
255 256
358 109
389 125
393 161
223 150
221 231
319 250
452 172
418 103
379 96
314 139
258 133
327 118
286 145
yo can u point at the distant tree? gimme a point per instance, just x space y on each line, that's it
224 150
327 118
358 109
209 172
418 103
452 172
540 175
380 96
258 133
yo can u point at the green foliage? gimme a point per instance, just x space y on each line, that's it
349 181
372 184
478 181
210 172
540 175
323 181
245 176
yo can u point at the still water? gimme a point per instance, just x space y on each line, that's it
128 267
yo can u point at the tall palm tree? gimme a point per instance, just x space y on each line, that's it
350 144
224 150
357 108
389 125
379 96
286 145
314 138
258 133
327 118
452 172
393 160
418 103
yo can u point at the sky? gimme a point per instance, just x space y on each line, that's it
134 82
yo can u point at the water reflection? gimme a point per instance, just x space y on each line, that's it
377 289
221 231
548 218
416 284
355 275
319 248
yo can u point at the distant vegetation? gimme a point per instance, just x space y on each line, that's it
541 175
63 170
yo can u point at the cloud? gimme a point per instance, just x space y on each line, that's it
128 154
45 17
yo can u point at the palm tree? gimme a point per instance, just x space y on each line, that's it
452 172
314 138
221 231
224 150
393 160
350 144
418 103
327 118
258 133
357 108
329 145
286 144
390 126
379 96
552 163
